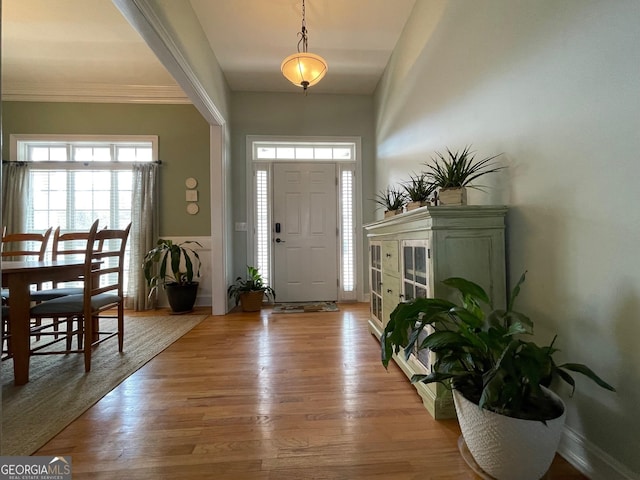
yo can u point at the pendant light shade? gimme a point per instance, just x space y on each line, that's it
304 69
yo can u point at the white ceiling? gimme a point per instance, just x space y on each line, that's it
75 46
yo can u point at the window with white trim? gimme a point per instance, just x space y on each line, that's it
262 222
76 180
339 152
264 154
347 254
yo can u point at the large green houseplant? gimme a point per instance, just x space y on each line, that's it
488 362
173 266
456 170
249 292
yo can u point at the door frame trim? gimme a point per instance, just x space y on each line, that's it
357 293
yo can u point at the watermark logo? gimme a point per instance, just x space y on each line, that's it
35 468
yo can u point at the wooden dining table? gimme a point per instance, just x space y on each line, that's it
18 276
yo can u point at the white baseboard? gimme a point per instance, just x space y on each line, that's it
591 460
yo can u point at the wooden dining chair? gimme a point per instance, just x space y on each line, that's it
22 246
103 293
25 246
65 246
72 246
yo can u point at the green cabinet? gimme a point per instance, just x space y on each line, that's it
410 255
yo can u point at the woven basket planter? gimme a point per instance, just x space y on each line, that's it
251 301
509 448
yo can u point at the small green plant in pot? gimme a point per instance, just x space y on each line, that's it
418 189
250 291
454 172
392 200
497 376
173 266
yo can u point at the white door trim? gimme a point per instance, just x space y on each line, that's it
358 234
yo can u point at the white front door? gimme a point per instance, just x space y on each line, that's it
305 232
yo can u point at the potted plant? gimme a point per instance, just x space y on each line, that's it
392 200
250 292
500 381
418 190
173 266
455 171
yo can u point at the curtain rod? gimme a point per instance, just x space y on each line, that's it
84 164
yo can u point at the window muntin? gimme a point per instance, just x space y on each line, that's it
76 181
72 196
336 152
43 153
84 148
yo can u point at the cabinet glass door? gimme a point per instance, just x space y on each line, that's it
415 280
415 264
375 279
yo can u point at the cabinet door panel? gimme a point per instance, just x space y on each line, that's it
421 265
390 264
415 268
409 293
375 281
390 296
407 263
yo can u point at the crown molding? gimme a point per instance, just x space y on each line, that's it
93 93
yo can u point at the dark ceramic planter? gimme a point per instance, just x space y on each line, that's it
181 298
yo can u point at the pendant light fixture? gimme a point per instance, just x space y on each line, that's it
304 69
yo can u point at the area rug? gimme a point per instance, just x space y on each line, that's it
59 390
305 307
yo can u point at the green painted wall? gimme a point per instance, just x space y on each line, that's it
555 85
294 114
183 140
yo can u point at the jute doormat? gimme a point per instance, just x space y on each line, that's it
305 307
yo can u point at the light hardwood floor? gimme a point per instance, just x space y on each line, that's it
267 396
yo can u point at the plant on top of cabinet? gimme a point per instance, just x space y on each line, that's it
455 171
392 200
418 190
511 422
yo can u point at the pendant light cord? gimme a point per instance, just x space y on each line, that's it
303 32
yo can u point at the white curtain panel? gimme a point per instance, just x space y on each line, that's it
144 232
15 187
